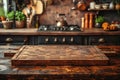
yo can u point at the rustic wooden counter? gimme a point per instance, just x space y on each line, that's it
110 72
33 31
59 55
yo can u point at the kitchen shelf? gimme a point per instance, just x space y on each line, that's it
101 9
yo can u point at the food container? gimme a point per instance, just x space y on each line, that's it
97 6
92 5
105 6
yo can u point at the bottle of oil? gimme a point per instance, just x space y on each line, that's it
37 22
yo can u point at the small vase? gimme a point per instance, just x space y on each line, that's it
111 6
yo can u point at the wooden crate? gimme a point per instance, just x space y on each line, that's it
59 55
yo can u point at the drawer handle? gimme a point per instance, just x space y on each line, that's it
63 40
25 40
46 39
9 41
72 39
101 40
55 39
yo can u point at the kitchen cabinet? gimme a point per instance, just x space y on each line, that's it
75 40
94 36
57 39
103 40
13 40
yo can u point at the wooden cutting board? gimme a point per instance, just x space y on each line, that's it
39 7
59 55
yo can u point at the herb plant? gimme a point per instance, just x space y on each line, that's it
19 16
99 19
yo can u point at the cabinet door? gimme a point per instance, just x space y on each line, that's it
58 40
104 40
13 40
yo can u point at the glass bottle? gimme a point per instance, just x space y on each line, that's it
111 5
37 22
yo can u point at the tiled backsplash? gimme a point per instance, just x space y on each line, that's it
49 16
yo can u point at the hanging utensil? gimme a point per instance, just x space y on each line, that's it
39 7
81 5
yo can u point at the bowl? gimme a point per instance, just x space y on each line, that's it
105 6
97 6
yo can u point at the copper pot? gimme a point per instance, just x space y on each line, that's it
81 5
61 23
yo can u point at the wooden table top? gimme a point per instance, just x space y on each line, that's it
59 55
110 72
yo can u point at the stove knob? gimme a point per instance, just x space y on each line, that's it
101 40
46 39
45 29
55 39
54 29
63 40
72 39
63 29
57 28
71 28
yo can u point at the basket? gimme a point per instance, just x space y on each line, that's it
20 24
7 24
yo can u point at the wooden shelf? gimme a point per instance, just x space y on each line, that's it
101 9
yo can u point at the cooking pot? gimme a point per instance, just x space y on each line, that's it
81 5
62 21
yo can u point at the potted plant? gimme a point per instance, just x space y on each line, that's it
98 21
20 19
7 24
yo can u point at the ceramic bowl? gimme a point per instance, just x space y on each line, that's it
105 6
97 6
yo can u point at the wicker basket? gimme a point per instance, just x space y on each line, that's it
20 24
7 24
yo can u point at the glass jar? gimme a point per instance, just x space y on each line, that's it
92 5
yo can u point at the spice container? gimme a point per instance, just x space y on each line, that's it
91 20
92 5
86 20
82 23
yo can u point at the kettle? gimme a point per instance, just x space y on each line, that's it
62 21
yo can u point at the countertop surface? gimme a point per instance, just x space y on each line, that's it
109 72
33 31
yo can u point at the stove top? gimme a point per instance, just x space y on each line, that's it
55 28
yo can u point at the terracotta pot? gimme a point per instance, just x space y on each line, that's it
20 24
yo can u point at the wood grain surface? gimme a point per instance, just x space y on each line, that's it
9 50
55 55
110 72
